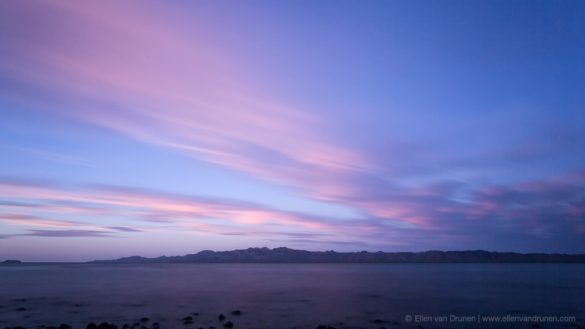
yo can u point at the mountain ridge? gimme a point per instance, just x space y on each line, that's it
288 255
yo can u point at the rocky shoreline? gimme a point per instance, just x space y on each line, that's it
230 321
245 319
227 321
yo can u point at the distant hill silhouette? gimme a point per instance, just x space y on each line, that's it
287 255
10 261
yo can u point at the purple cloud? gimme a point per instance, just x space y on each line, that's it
450 214
66 233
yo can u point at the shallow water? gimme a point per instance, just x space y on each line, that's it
292 295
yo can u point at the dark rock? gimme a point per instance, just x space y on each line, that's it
21 309
228 324
144 319
65 326
187 320
221 317
321 327
236 312
105 325
378 321
155 325
91 326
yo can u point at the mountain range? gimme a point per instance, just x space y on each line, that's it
287 255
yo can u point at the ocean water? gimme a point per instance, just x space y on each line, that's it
296 295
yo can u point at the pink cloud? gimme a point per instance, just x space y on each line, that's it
153 211
190 100
28 220
112 68
431 214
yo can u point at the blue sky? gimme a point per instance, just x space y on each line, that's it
398 125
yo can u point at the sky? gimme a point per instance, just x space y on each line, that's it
169 127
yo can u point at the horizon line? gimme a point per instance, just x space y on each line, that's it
9 260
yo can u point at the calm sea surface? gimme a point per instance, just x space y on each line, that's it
294 295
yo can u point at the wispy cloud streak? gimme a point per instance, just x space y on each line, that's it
149 211
531 213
